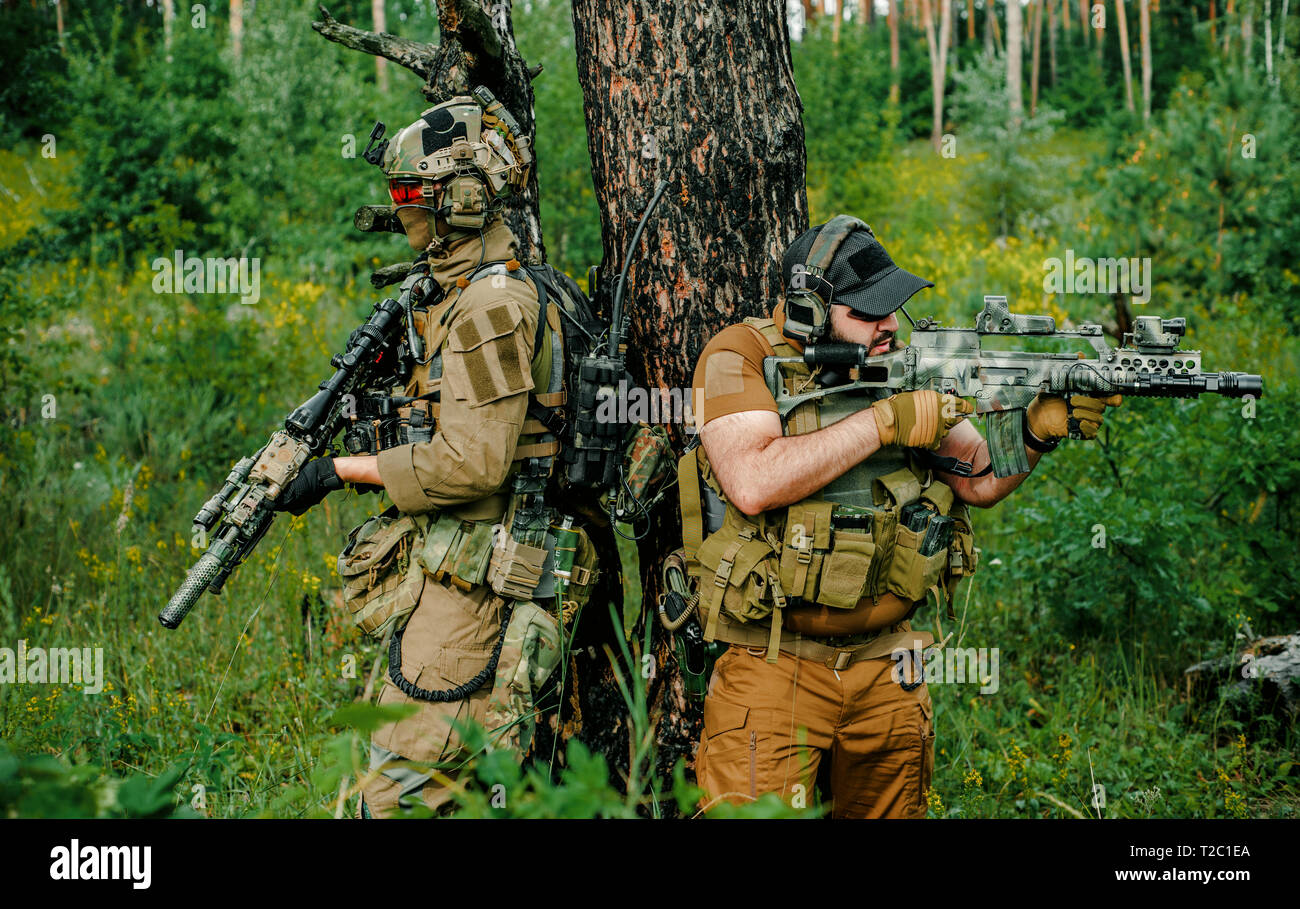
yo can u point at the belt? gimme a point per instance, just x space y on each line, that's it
882 645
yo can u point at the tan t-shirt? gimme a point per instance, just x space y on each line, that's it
729 375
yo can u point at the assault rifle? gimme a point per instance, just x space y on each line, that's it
378 354
953 361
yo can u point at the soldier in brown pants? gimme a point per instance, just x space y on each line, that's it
809 534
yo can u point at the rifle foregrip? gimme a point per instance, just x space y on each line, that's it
196 581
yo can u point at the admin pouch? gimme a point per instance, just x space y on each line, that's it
382 583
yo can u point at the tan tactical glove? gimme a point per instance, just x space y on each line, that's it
918 419
1049 415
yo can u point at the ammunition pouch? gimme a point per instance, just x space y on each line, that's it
515 568
382 583
457 551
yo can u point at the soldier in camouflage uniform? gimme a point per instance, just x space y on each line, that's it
811 536
471 409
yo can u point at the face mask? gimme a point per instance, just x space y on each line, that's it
415 221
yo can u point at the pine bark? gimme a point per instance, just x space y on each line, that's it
704 98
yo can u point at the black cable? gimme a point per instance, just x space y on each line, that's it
460 692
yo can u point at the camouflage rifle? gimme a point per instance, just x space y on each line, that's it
1003 383
378 354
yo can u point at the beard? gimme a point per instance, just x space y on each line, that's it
880 337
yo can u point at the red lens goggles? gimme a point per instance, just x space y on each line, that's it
406 192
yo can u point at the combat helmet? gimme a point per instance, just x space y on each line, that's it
458 161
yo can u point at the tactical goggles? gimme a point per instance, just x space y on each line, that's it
406 192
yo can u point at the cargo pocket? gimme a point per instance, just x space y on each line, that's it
910 573
382 583
927 751
728 764
846 569
428 736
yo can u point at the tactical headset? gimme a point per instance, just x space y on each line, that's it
808 294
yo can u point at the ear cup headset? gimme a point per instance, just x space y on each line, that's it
808 294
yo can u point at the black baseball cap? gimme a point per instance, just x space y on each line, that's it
862 276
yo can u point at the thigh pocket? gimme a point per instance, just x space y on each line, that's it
927 749
731 750
427 736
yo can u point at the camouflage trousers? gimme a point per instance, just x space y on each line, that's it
448 640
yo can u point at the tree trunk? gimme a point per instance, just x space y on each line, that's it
58 21
1214 38
1268 39
938 59
1124 55
1065 16
378 15
1015 53
1227 27
477 48
1051 40
990 22
1247 33
237 28
1036 65
169 21
1281 32
711 253
1144 13
893 51
1099 30
970 20
835 23
1083 21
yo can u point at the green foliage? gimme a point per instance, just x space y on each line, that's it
1006 186
155 395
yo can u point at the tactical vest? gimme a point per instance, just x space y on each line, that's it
852 540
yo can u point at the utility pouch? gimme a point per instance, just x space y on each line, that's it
804 547
911 572
515 568
382 583
846 569
734 576
575 570
471 562
456 549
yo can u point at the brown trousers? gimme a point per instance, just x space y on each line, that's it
774 727
448 640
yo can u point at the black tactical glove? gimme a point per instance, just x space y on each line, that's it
316 480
